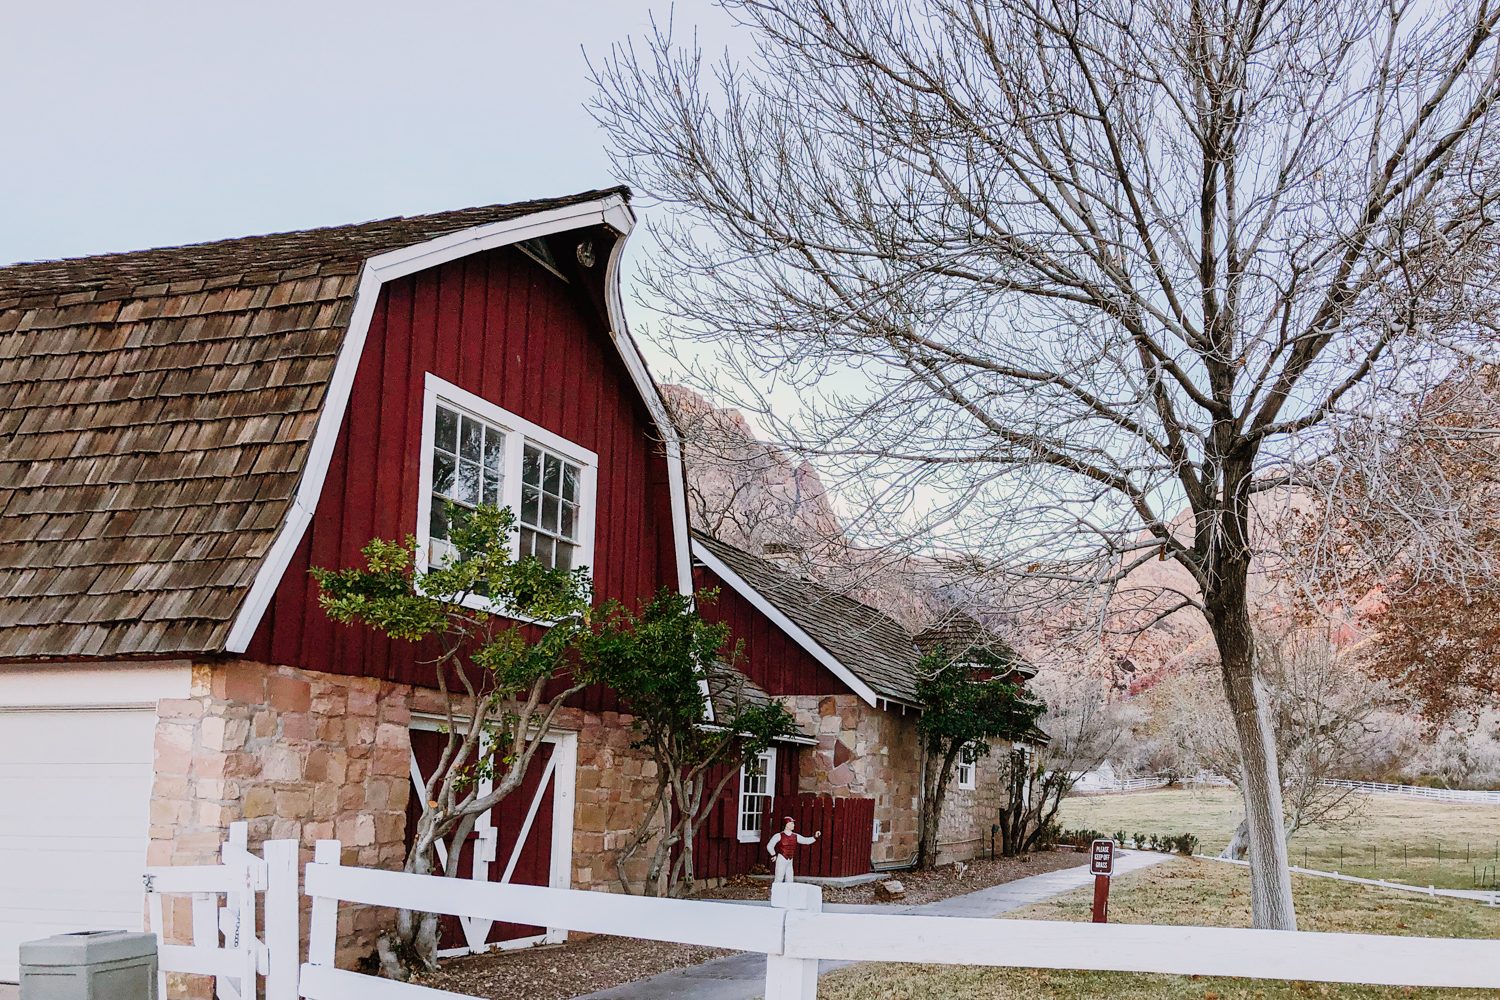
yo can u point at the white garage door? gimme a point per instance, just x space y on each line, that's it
75 792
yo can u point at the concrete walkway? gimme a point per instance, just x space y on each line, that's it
743 976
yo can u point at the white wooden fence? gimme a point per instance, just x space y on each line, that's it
794 934
1096 784
1468 795
225 945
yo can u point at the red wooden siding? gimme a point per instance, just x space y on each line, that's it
717 851
769 656
848 826
502 327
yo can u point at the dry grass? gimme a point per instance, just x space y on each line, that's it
1406 834
1186 891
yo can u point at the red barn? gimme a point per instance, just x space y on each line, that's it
187 430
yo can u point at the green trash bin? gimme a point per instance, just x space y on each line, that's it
90 965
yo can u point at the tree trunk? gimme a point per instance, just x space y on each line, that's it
932 807
1270 875
1239 844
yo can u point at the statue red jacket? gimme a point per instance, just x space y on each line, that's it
785 844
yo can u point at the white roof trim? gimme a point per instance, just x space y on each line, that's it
791 628
611 210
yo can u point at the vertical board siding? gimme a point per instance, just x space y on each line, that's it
717 851
848 825
504 328
771 658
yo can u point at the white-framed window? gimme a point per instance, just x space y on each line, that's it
964 768
757 792
475 452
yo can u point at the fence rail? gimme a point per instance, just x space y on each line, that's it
1468 795
224 942
794 934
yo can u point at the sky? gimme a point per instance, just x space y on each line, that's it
153 123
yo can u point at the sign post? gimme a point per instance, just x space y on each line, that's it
1102 864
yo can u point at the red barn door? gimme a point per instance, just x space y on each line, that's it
525 840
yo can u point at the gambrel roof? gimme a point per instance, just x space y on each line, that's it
158 411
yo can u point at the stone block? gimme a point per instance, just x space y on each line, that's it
288 694
393 708
281 763
179 708
241 682
294 804
389 735
259 800
297 726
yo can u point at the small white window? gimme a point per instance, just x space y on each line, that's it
474 452
757 783
964 769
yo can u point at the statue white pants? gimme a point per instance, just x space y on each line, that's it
783 869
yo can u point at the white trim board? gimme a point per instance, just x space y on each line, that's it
93 686
781 621
613 211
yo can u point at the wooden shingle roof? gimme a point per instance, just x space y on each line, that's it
156 413
868 643
961 638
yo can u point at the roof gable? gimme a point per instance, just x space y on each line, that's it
961 638
866 647
159 413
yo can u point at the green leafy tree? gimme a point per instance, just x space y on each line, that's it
502 679
964 708
669 664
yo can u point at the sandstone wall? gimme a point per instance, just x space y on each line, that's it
866 752
875 753
309 756
964 827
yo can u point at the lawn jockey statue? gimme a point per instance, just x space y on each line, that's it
783 847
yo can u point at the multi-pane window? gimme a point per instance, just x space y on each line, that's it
468 463
477 453
964 772
756 779
549 507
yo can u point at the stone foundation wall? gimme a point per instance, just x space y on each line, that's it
298 755
964 826
866 752
875 753
309 756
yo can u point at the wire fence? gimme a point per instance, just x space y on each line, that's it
1451 864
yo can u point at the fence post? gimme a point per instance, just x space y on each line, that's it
283 920
793 978
323 930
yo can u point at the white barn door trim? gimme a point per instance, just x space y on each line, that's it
560 770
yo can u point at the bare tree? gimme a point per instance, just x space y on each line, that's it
1082 724
1078 285
1325 714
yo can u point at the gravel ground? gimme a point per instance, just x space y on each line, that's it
569 970
596 963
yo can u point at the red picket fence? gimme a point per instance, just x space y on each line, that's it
848 826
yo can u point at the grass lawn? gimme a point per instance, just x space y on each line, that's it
1185 891
1390 838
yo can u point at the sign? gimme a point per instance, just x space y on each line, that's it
1102 858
